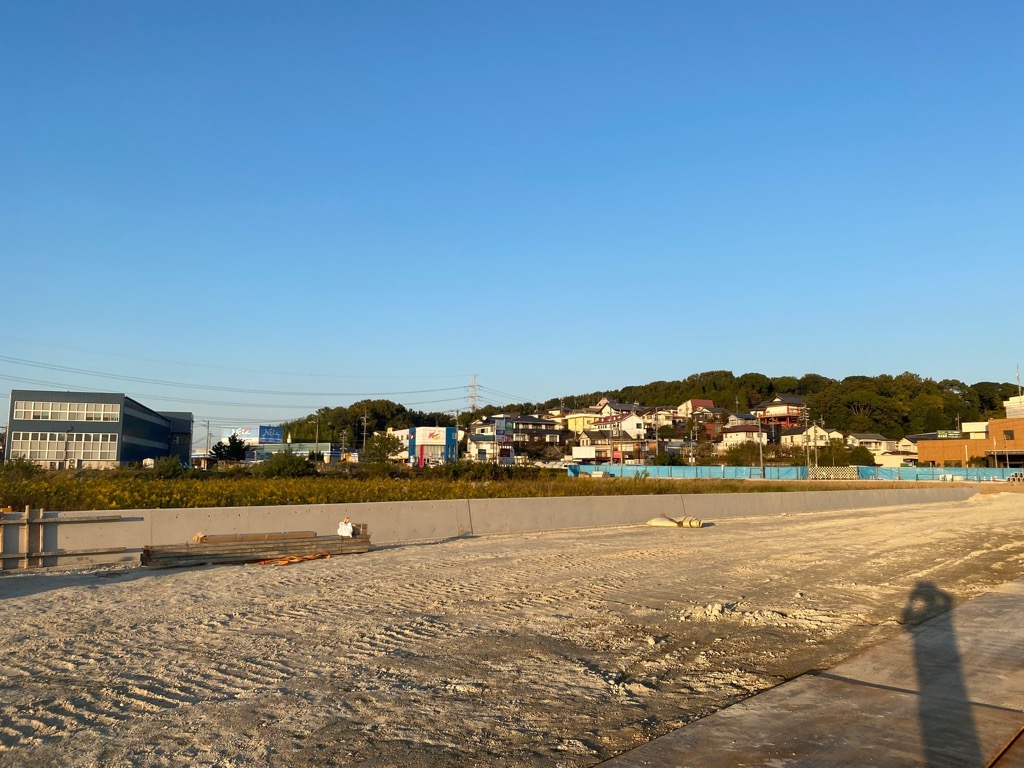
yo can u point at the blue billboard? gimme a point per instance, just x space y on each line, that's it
271 435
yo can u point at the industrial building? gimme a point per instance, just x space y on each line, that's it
92 430
996 443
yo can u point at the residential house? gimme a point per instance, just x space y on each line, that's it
630 424
607 407
782 411
536 428
658 417
908 444
579 422
740 419
746 433
686 410
874 442
813 436
490 439
710 419
612 446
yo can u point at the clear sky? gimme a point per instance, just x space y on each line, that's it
250 210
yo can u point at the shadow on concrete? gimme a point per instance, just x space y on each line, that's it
948 734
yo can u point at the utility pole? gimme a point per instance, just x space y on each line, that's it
455 457
760 448
807 447
207 437
366 420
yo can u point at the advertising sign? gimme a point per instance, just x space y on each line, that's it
271 435
432 435
248 435
503 430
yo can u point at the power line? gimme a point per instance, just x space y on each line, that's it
516 398
234 369
213 388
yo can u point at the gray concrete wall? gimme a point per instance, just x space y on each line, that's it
399 522
514 515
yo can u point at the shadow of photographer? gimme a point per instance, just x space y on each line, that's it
948 734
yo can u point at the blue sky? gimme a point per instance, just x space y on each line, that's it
291 205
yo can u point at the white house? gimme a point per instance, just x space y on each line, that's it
608 407
873 441
812 436
631 424
658 417
745 433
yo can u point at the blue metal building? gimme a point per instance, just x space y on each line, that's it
92 430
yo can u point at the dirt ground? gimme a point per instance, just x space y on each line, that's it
548 649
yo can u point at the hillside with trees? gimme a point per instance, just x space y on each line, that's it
890 405
348 425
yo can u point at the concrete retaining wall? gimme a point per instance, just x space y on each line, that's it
399 522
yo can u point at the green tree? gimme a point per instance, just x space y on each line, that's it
861 457
168 467
379 449
812 383
19 468
743 455
285 464
785 384
754 389
232 450
836 454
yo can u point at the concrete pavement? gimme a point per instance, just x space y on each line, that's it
948 692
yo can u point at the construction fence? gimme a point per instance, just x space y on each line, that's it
723 472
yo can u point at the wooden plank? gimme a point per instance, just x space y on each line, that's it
200 554
222 538
213 559
242 546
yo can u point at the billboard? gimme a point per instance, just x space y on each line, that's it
261 435
271 435
434 435
248 435
503 429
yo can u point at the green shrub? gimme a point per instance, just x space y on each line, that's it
167 467
19 468
286 464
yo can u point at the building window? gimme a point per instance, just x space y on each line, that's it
41 411
60 446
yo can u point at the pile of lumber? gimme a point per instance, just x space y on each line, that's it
218 549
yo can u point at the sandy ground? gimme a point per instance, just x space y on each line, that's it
551 649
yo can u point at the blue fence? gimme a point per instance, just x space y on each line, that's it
718 472
690 472
974 474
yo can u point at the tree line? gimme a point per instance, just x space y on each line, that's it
894 406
